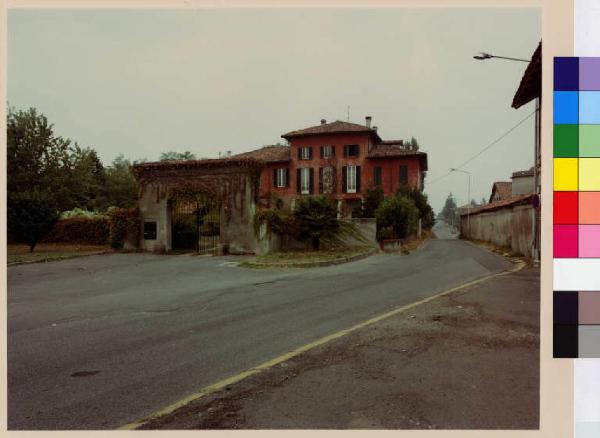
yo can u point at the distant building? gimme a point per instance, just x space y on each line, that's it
523 182
501 190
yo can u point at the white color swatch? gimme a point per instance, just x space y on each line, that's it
576 274
587 28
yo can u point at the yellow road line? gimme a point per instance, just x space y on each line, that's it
287 356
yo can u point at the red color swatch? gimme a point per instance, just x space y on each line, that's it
565 207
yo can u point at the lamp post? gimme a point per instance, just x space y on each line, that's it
482 56
468 196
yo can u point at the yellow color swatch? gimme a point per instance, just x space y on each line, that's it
565 174
589 174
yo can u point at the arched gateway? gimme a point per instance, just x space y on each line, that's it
202 205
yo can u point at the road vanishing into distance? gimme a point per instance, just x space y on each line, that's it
101 341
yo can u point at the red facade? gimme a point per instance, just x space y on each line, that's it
396 164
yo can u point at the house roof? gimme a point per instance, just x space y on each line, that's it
209 163
383 150
502 203
531 82
503 188
268 154
337 127
521 173
392 142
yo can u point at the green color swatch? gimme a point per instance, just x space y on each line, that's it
566 141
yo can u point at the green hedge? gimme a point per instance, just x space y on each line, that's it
94 231
123 222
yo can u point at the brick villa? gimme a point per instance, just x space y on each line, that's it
338 159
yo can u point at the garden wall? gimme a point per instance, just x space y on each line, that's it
511 227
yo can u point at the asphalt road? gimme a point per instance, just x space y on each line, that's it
101 341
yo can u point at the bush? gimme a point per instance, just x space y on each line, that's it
314 219
273 218
93 231
399 213
421 202
372 201
80 212
123 222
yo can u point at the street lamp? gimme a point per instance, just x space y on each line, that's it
481 56
468 196
536 157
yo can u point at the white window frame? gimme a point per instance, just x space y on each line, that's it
327 151
305 153
281 177
305 181
351 179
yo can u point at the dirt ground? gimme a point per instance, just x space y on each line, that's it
467 360
44 252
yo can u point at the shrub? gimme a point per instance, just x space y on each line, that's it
274 219
315 218
80 212
399 213
123 222
372 201
421 202
90 230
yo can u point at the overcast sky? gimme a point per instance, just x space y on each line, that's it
142 82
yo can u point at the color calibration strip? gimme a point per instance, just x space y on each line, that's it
576 205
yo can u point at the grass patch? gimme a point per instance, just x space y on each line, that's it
300 258
47 252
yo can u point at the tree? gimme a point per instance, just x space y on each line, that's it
412 144
399 213
421 202
31 216
39 182
449 213
315 219
121 187
176 156
373 199
89 173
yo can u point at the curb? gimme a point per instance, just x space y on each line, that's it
319 264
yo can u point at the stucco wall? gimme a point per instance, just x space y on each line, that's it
522 185
236 229
511 227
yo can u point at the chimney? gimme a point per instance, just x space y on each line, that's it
323 121
375 128
368 121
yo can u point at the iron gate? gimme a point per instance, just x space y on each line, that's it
195 226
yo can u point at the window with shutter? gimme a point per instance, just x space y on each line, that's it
327 176
403 174
326 151
351 150
304 180
281 178
357 179
305 153
377 176
351 179
344 178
